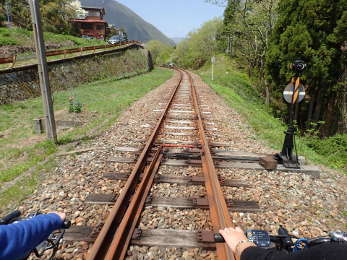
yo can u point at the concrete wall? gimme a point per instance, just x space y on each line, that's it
23 83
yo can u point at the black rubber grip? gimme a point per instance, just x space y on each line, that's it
66 224
10 217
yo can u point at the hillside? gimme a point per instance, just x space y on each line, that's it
17 40
121 16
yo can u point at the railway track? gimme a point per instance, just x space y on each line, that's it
182 137
115 236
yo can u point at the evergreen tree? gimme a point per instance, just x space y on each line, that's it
315 31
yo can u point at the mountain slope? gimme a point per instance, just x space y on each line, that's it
122 16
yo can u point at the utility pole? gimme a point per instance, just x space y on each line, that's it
43 71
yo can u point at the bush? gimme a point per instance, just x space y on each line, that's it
333 148
5 41
75 106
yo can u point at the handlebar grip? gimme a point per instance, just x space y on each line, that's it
66 224
10 217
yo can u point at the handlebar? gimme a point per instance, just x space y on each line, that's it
10 217
51 243
285 241
66 224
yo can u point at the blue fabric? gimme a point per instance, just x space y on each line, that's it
18 239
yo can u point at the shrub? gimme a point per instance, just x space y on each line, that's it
333 148
5 41
75 106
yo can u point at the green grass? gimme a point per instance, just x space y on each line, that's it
105 99
236 88
22 37
11 197
34 155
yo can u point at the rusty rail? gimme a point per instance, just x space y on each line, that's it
114 239
13 58
105 244
218 208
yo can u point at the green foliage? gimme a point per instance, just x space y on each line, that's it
23 37
303 31
161 53
334 149
315 31
35 154
56 15
5 38
199 47
230 13
75 106
2 16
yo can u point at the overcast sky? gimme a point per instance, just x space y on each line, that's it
175 18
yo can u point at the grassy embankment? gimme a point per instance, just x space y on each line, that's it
21 38
235 87
102 101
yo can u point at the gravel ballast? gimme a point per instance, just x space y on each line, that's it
306 206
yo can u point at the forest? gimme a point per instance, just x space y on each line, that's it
266 37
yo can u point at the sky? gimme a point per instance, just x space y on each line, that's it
175 18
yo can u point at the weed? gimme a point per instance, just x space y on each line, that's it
75 106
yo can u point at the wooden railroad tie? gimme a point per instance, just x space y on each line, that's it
181 180
152 237
180 203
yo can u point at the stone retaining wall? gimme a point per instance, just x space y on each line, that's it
23 83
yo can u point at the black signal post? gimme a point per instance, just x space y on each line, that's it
293 94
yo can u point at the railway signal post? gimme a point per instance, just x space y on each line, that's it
43 71
293 94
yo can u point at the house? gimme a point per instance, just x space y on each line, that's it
92 24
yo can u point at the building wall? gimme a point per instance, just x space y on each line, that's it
97 30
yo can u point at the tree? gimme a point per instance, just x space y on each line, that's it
315 31
161 53
2 12
56 14
200 45
248 25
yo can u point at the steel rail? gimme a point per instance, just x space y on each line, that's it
122 238
218 208
103 243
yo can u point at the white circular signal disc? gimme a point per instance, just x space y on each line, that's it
289 91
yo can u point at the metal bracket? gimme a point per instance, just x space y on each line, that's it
137 234
210 237
149 199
